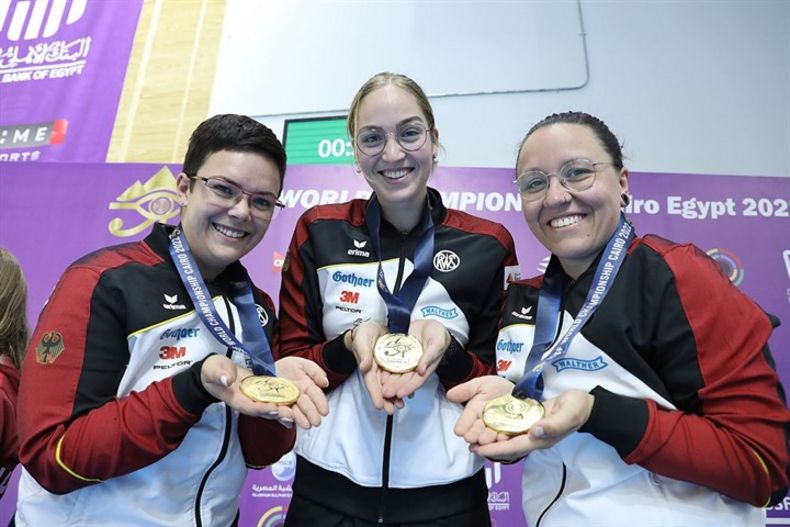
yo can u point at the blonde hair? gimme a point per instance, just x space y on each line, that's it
380 80
14 334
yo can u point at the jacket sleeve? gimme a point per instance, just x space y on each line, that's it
301 326
74 430
460 364
729 430
263 442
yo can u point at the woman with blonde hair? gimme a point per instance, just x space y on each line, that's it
422 281
14 335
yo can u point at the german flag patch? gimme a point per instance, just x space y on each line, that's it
49 347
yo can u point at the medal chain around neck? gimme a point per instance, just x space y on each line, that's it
548 315
256 348
400 305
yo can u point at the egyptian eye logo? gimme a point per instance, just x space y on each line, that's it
154 200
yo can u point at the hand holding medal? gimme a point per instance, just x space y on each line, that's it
512 415
220 375
266 389
397 352
298 386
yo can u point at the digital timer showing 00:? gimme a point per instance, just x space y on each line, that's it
335 148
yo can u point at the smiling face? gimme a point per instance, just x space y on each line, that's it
575 226
399 177
220 233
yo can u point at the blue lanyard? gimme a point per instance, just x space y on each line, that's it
548 315
257 350
400 305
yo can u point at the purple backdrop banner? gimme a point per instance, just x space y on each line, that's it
62 66
53 213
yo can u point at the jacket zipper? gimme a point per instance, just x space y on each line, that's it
557 497
564 468
225 440
385 462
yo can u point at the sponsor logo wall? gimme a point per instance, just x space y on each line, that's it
62 65
53 213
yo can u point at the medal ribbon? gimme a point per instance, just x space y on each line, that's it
257 350
400 305
548 314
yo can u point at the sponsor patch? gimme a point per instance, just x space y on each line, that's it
172 352
524 314
180 333
171 365
349 297
503 365
509 346
359 245
49 347
171 303
348 309
569 363
352 279
436 311
263 316
446 261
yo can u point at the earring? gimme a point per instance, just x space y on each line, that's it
625 199
357 169
436 158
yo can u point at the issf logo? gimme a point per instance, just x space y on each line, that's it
730 265
274 517
285 468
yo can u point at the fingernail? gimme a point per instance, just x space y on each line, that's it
272 413
224 380
538 431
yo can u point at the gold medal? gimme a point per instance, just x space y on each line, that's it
397 352
267 389
511 415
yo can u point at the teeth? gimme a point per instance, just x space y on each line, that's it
229 232
565 221
395 174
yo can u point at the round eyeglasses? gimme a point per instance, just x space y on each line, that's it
410 137
576 175
228 193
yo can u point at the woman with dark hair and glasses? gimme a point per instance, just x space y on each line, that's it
641 388
138 403
397 299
